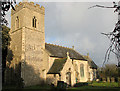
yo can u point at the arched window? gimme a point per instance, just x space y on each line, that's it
82 70
34 22
17 22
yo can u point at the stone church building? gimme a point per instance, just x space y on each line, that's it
36 61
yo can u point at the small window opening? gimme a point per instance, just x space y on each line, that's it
17 22
34 22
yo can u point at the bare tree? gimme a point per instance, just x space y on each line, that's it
4 7
114 38
4 35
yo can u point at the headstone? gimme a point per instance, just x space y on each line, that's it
97 80
112 79
118 81
108 79
104 79
61 85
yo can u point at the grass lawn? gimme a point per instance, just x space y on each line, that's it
39 87
98 87
105 84
95 86
29 87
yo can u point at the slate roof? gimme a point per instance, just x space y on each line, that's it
57 66
61 52
91 62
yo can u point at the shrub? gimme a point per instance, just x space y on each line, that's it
116 79
81 84
61 85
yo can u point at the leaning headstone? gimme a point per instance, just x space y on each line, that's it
118 81
112 79
108 79
104 79
97 80
61 85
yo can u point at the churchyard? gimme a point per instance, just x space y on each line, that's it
89 86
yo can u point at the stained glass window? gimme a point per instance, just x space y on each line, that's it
82 70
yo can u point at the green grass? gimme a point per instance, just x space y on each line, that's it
91 87
106 84
38 87
29 88
97 86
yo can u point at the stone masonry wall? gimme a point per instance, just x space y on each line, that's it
12 63
35 57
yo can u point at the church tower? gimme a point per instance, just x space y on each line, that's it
28 42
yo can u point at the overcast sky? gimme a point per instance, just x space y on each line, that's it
73 24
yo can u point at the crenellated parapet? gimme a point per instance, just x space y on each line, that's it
29 5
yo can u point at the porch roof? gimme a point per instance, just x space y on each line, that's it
57 66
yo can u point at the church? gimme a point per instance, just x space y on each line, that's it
37 62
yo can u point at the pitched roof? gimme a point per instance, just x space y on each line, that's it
61 52
57 66
91 62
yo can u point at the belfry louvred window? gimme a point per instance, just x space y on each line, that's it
34 22
17 22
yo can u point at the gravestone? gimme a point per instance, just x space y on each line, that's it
61 85
97 80
108 79
104 79
112 79
118 81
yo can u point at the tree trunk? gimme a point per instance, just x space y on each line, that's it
118 74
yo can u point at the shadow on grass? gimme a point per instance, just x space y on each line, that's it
50 88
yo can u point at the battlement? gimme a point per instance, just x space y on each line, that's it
29 5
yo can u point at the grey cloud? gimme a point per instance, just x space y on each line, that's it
78 26
69 24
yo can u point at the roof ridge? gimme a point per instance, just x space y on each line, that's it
87 57
59 46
